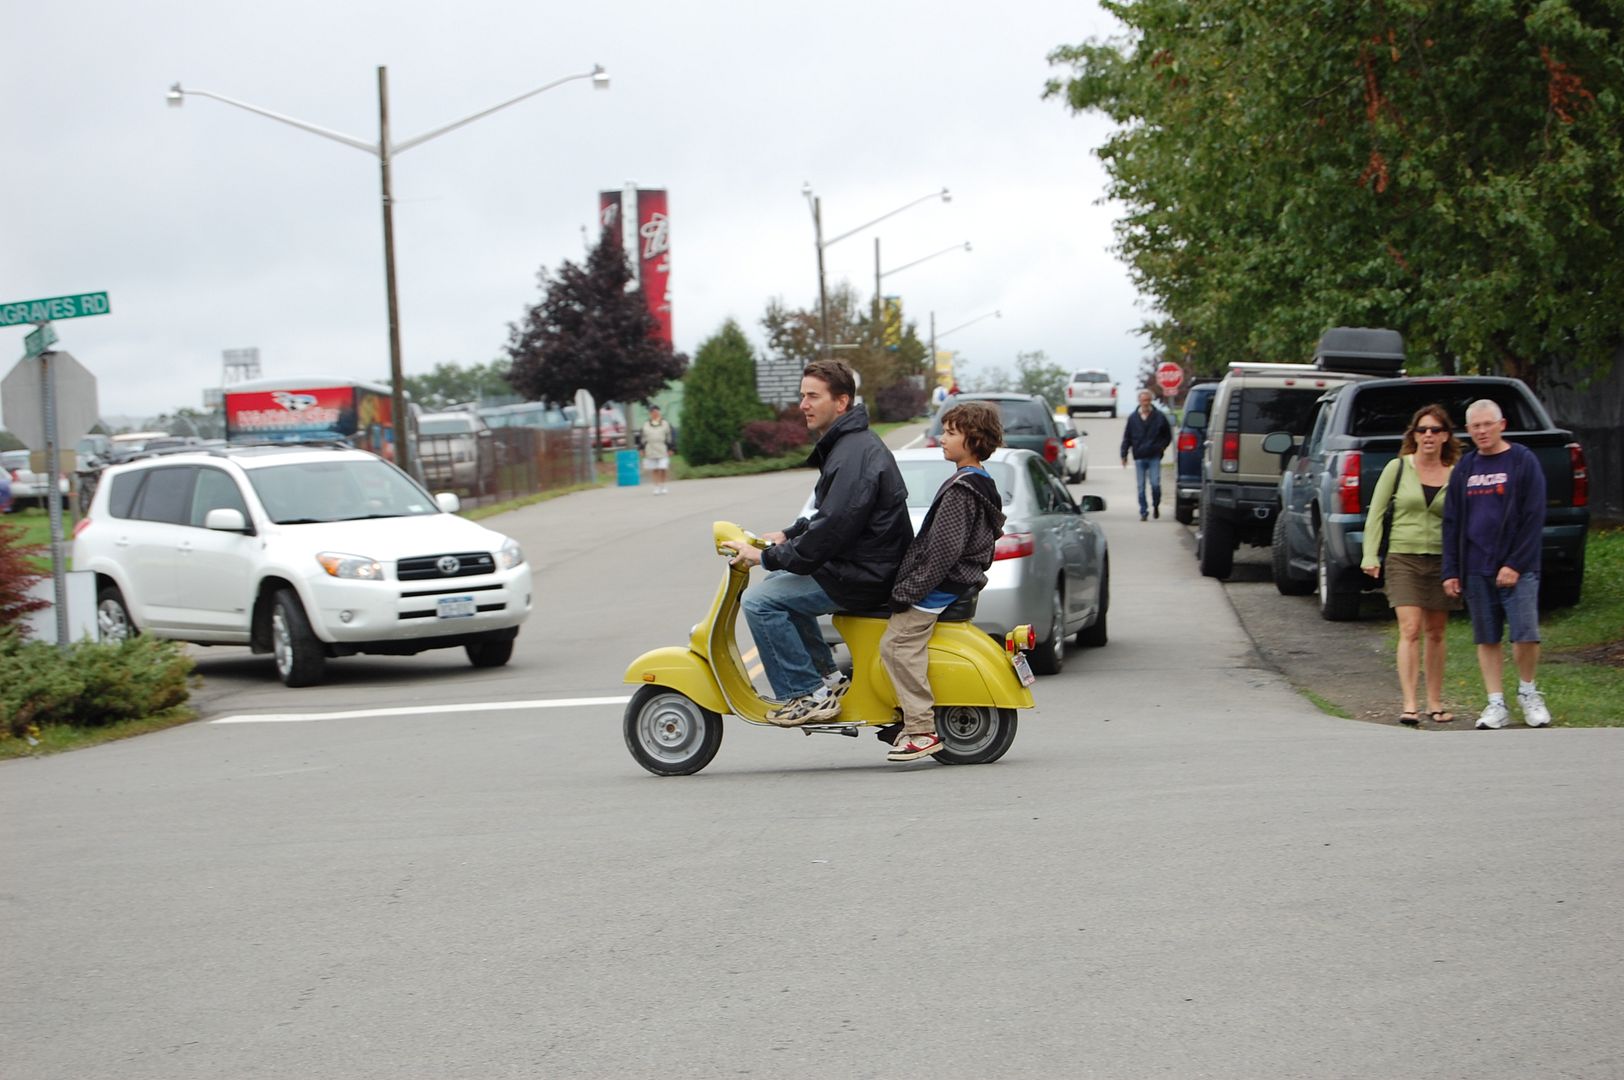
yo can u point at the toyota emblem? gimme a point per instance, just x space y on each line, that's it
449 564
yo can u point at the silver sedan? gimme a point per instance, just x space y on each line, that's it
1050 568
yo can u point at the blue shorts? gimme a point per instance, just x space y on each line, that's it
1492 608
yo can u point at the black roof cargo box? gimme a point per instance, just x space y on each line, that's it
1364 349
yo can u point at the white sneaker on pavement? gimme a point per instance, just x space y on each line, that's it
1493 716
1532 704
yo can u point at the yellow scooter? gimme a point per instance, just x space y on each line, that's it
674 720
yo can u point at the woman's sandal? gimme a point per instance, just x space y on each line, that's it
1409 718
1440 716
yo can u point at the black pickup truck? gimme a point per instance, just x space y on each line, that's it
1357 429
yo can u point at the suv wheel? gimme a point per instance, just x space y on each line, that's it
113 622
299 655
484 654
1215 546
1336 601
1050 655
1183 511
1287 580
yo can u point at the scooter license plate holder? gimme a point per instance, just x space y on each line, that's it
454 607
1023 670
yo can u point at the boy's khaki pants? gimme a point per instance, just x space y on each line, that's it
904 652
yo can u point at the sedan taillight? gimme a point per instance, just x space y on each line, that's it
1013 546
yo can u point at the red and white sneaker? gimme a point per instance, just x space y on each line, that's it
914 747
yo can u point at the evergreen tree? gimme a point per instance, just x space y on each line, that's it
719 397
589 332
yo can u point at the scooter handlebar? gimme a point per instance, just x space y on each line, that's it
723 531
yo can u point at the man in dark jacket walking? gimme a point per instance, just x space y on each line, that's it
1146 435
844 558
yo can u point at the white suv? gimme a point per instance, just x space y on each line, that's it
307 552
1091 390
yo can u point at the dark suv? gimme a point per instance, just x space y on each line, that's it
1356 430
1192 444
1029 424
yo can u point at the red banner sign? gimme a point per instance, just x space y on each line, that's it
637 218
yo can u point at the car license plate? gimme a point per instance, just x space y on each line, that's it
1022 668
454 607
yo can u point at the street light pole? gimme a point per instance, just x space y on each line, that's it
397 374
385 149
817 223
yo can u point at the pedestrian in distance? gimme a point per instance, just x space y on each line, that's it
1412 489
1146 437
947 560
657 439
844 558
1494 516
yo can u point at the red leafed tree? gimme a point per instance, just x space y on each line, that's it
18 574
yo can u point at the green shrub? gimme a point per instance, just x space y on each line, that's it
719 397
89 684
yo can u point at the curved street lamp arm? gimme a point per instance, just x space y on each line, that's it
326 133
972 322
596 74
942 194
898 269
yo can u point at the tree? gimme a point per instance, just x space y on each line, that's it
1035 374
797 333
719 397
1446 170
448 384
590 332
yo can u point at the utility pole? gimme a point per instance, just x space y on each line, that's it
403 445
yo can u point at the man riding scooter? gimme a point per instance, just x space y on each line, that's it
844 558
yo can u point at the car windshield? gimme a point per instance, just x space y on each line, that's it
1021 416
1091 376
925 478
316 491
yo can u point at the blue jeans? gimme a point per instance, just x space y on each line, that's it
1151 468
782 610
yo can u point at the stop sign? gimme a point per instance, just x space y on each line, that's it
22 400
1169 376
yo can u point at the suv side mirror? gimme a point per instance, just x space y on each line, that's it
1195 418
1278 442
1092 504
225 519
448 501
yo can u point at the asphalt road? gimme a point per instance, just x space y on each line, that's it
1181 869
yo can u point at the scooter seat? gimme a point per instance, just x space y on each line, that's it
960 610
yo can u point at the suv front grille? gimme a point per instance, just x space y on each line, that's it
427 567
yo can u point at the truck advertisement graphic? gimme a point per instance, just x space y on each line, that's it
294 410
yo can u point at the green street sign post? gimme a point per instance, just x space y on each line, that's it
55 307
39 340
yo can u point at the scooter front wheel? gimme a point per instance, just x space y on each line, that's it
974 734
669 733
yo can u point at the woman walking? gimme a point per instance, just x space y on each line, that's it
657 440
1414 484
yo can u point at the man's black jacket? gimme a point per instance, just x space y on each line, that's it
854 542
1147 438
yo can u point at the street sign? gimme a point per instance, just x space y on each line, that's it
39 340
22 396
1169 376
56 307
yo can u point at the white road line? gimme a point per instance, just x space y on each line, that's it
420 710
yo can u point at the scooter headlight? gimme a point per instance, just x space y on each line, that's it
511 554
339 565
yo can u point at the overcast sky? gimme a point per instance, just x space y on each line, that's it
213 228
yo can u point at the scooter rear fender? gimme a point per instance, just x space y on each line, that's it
682 670
966 666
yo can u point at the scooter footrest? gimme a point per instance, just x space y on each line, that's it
830 729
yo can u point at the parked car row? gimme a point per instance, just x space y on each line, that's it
1288 456
25 487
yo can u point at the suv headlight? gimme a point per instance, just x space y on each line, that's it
340 565
511 554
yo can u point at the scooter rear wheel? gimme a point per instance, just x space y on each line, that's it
669 733
974 734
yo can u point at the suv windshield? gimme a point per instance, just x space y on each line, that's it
315 491
1091 376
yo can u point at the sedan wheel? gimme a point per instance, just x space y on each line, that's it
1050 655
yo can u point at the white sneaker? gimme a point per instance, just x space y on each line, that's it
1493 716
1532 704
837 683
